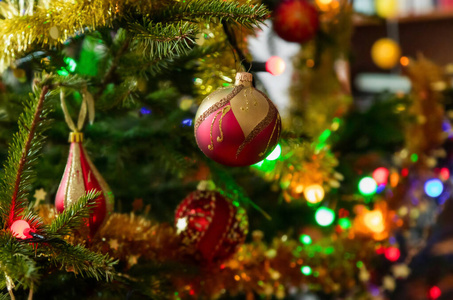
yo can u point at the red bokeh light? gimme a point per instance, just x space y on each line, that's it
405 172
381 175
434 292
392 253
444 174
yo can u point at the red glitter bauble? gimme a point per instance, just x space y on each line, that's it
211 224
237 126
296 21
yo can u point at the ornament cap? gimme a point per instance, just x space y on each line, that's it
76 137
244 78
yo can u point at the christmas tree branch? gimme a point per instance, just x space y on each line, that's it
73 216
16 264
110 75
25 152
22 155
82 261
213 10
157 40
38 30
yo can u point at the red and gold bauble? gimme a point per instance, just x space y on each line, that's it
81 176
211 224
296 21
237 126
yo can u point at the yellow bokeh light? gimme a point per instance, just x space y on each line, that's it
374 220
314 193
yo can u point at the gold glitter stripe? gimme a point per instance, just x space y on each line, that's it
211 146
263 124
225 110
217 105
270 138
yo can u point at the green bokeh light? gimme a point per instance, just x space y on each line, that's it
324 216
344 223
367 186
305 239
275 154
306 270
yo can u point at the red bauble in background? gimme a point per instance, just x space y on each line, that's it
296 21
211 224
81 176
237 126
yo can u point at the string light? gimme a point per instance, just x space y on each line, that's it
20 229
434 187
324 216
275 65
367 186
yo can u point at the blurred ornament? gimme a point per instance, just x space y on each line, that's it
385 53
81 176
211 224
434 187
367 186
296 21
20 229
324 216
387 8
39 196
237 126
314 193
275 65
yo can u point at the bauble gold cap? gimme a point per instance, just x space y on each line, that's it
244 78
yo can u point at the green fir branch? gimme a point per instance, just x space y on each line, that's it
215 11
157 40
82 261
73 216
23 154
16 262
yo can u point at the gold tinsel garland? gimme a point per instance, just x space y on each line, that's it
257 267
53 22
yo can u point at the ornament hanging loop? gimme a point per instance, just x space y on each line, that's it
87 108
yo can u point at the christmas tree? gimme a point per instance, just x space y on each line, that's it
189 175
